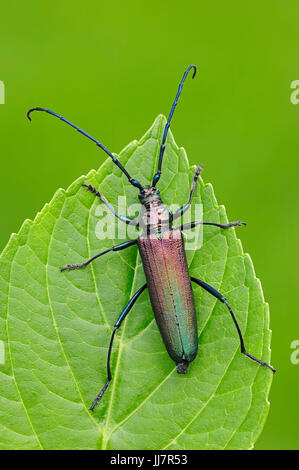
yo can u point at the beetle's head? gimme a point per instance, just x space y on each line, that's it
149 194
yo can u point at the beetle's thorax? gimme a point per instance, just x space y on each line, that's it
155 216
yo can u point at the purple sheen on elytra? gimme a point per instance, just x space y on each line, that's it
171 295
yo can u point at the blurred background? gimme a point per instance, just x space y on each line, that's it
111 67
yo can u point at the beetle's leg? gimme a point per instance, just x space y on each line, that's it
122 316
222 299
194 224
123 218
185 207
119 247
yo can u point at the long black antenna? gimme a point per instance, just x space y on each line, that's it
162 148
133 181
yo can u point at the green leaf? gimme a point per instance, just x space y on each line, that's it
56 328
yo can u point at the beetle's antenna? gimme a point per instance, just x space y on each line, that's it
114 159
162 148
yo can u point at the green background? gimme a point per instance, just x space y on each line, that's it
112 68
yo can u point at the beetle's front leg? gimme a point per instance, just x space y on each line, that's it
194 224
119 247
123 218
185 207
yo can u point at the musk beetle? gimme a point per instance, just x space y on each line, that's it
164 261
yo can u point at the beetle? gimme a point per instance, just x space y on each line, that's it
164 260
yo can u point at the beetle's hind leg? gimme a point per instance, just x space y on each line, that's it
222 299
121 318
